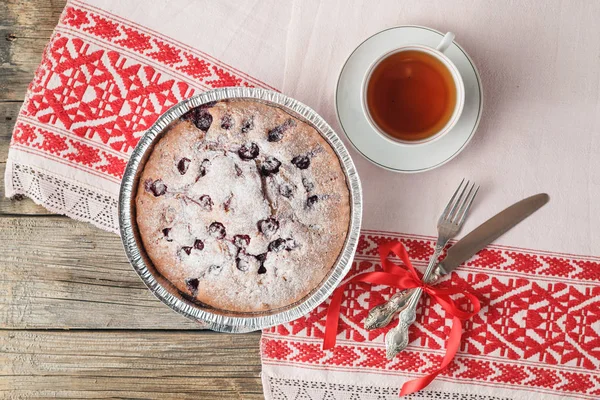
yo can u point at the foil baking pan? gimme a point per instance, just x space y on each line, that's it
216 319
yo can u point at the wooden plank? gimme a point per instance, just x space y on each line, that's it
60 273
41 15
25 27
18 62
130 364
8 117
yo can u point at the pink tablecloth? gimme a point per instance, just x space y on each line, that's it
112 67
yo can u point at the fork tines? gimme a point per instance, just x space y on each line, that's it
460 204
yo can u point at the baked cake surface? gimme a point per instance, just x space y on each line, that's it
242 206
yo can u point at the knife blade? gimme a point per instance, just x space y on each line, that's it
489 231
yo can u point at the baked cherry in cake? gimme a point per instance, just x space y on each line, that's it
242 206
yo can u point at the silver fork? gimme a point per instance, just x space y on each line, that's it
449 224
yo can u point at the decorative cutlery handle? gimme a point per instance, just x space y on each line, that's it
396 339
381 315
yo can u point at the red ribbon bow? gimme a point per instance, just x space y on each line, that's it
401 278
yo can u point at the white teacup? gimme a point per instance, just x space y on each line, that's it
437 53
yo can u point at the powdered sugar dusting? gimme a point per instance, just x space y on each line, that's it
224 192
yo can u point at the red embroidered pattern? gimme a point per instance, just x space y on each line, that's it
92 98
531 332
66 148
418 363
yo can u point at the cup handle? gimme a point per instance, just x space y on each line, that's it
446 42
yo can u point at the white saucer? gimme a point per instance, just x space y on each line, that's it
371 144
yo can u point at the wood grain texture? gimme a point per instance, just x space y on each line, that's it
25 27
62 274
8 117
128 364
109 337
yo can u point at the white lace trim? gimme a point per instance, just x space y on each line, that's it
62 196
296 389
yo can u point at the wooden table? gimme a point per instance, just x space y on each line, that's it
75 319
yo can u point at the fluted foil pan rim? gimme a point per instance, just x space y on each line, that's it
236 322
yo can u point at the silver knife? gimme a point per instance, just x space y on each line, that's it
464 249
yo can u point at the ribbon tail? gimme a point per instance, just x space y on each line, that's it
333 317
452 346
417 384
